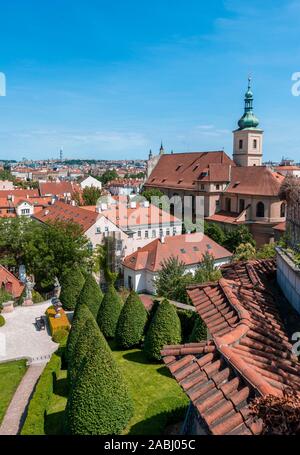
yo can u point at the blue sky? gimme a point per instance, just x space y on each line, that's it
111 78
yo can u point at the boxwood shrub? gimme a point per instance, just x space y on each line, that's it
131 323
109 312
2 321
72 282
165 329
91 295
99 402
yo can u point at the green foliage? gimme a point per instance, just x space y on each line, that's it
108 176
245 252
152 193
45 251
5 296
83 344
34 423
207 271
267 251
82 313
99 402
109 312
91 295
139 175
187 322
171 280
236 236
131 323
199 332
6 175
72 283
60 336
2 321
215 232
90 195
165 329
104 259
37 297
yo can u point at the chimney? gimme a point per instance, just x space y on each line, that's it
46 212
146 204
133 205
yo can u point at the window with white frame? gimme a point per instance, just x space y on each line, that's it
146 234
153 233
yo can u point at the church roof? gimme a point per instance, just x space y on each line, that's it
182 170
255 180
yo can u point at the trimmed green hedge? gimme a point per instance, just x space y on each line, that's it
109 312
165 329
199 332
131 323
187 321
81 315
60 336
84 341
91 295
72 283
34 423
2 321
99 402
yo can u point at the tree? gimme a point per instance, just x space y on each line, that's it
108 176
131 323
207 271
86 336
91 295
105 260
165 329
151 193
109 312
199 332
72 282
81 314
215 232
99 402
90 195
238 235
172 281
267 251
245 252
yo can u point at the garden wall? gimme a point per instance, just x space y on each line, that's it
288 278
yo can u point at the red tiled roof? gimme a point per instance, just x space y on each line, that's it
255 180
10 282
60 211
188 248
182 170
19 193
224 217
249 354
57 188
280 227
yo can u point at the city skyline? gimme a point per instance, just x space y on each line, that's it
112 81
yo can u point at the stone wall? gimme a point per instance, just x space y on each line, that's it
288 278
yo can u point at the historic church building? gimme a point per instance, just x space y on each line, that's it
236 191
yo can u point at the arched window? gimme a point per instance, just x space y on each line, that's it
283 210
260 210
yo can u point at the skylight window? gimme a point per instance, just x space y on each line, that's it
182 251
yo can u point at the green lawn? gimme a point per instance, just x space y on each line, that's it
11 374
158 399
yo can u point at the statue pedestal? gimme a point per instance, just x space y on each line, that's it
27 302
8 307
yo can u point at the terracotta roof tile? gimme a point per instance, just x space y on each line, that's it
250 356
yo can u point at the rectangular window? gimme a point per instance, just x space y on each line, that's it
242 205
217 187
202 187
146 234
98 230
167 232
240 144
174 231
153 233
255 144
139 234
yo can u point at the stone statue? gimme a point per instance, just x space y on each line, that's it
57 287
29 286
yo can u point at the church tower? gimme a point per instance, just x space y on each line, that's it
248 138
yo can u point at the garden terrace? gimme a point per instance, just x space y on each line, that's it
249 354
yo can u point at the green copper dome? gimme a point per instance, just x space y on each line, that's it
249 120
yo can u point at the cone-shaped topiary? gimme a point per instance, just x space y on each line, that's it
83 344
91 295
99 402
199 332
109 312
81 315
131 323
164 329
72 283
